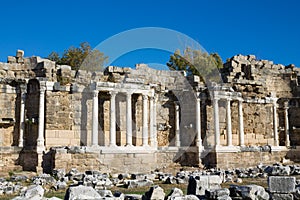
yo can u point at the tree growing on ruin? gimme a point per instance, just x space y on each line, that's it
82 57
196 62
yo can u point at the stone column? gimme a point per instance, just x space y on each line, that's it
275 123
154 122
112 141
95 118
216 121
286 123
145 120
228 123
198 122
177 124
128 120
241 123
22 116
40 139
151 128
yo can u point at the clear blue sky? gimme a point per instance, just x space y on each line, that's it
269 29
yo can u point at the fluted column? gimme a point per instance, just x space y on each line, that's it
95 118
241 123
216 121
22 116
112 132
128 120
151 128
145 120
275 123
177 125
286 123
198 122
40 139
228 123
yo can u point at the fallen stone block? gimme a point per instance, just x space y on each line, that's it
155 193
217 193
174 194
279 184
278 170
133 196
105 193
34 192
138 183
197 185
81 192
278 196
251 192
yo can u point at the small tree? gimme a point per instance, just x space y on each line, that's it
83 57
196 62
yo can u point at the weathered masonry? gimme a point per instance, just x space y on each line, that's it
141 119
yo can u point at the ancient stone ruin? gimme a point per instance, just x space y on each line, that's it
125 119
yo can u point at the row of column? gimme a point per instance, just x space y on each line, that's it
228 122
241 122
286 123
145 128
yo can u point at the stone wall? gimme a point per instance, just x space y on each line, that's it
115 162
69 104
227 160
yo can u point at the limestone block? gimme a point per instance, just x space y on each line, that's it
175 194
155 193
217 193
281 184
82 192
11 59
277 196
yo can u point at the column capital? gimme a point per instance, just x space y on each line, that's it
145 97
23 88
95 93
286 104
113 93
241 100
129 94
228 99
23 96
216 98
177 105
42 89
152 98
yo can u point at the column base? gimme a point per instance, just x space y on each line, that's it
112 145
21 144
40 149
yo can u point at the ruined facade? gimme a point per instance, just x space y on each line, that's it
141 119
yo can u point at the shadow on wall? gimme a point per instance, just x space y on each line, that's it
28 159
